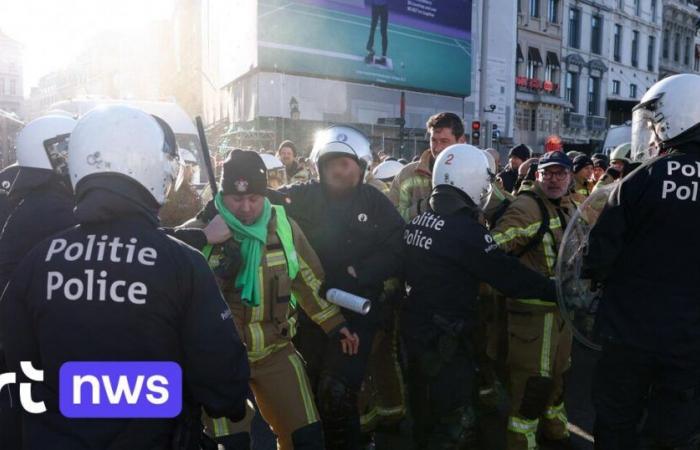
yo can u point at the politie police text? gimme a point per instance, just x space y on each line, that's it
685 191
417 238
95 285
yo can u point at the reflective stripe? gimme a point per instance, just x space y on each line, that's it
257 356
397 411
305 389
325 314
515 232
550 255
545 355
369 416
533 301
557 412
220 427
526 428
276 258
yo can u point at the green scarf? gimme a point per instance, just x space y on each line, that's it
252 239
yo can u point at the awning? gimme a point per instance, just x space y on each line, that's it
519 54
533 54
552 59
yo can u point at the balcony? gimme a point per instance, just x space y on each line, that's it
573 120
595 123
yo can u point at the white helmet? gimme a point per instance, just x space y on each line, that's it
491 160
621 153
31 148
466 168
186 156
387 170
667 115
120 139
341 140
271 161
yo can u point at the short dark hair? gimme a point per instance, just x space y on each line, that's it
447 120
289 144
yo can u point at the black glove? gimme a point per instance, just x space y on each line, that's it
531 172
230 262
629 168
613 173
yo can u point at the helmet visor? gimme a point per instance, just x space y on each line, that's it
645 141
57 151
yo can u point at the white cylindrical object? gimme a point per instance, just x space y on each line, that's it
349 301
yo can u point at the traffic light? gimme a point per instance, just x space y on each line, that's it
476 132
495 132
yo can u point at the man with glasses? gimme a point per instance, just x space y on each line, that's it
539 342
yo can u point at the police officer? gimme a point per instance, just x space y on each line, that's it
267 260
116 288
356 233
41 190
42 204
649 314
448 254
7 177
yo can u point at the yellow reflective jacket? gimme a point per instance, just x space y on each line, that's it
271 325
411 188
519 225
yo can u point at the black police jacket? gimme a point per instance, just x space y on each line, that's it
362 230
144 296
7 177
44 207
448 253
645 250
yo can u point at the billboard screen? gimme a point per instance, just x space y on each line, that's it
415 44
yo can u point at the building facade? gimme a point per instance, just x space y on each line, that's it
680 24
11 76
633 53
539 106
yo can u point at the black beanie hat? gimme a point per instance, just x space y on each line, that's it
522 151
244 173
581 161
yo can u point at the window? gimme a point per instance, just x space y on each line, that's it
571 89
553 11
653 11
635 48
616 87
617 42
596 33
665 44
633 90
535 8
574 27
686 54
637 7
593 95
650 53
13 87
551 67
677 47
621 4
697 62
533 120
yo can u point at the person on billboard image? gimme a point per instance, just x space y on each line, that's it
380 13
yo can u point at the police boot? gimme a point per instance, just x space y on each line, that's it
309 437
337 405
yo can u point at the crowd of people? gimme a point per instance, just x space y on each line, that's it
456 254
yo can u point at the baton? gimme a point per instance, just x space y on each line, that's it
206 156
